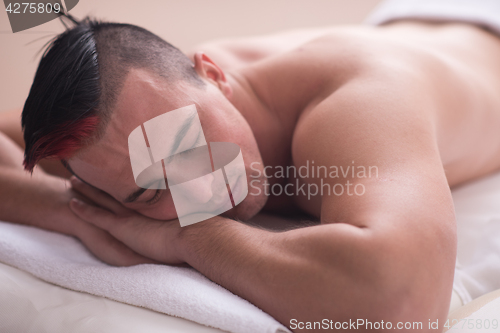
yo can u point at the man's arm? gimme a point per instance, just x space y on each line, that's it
29 199
385 255
42 200
406 207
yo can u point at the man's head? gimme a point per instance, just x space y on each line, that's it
79 78
96 82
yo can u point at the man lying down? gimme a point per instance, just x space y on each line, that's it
384 120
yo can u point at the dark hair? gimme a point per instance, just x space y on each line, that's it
79 77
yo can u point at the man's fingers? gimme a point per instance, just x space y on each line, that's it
110 250
99 197
143 235
129 231
99 241
92 214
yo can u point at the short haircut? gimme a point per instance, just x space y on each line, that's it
79 78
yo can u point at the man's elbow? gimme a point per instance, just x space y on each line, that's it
414 275
394 277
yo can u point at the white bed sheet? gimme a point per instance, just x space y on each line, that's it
30 305
477 207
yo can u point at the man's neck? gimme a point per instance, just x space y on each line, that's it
271 109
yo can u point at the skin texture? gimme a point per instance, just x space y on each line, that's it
419 101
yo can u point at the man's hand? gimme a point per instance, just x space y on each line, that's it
116 231
98 241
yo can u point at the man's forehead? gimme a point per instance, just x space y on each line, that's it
105 154
144 96
106 171
143 88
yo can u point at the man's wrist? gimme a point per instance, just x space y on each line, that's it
58 216
189 241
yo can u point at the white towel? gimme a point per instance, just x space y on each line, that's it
485 13
177 291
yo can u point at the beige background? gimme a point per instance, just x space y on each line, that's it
184 23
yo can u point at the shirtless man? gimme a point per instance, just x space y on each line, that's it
418 100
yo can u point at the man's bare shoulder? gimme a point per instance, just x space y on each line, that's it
230 53
370 104
366 123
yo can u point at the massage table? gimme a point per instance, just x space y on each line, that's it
28 304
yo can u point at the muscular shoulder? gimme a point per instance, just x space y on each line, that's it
369 109
367 122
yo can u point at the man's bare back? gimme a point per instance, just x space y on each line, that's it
416 100
454 65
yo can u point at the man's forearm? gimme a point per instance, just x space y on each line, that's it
306 274
39 199
36 201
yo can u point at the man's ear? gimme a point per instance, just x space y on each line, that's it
208 70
